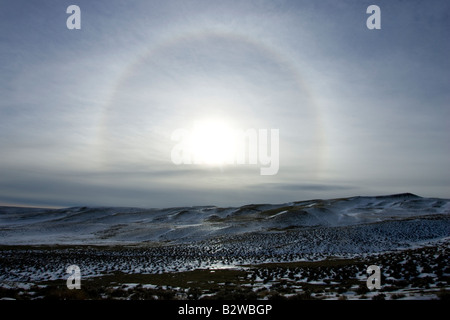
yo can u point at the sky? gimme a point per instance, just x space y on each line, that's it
88 116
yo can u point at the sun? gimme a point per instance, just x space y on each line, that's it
213 142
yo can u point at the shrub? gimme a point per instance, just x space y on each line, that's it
444 295
397 296
380 296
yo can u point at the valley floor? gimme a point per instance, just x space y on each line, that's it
161 271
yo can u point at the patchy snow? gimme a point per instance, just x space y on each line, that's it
83 225
104 241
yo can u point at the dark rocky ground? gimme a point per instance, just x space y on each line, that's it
126 272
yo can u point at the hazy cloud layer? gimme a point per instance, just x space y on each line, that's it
86 116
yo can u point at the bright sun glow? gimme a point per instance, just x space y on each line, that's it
213 142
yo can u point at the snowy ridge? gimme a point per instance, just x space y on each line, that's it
394 214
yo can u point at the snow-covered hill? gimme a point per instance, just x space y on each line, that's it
393 214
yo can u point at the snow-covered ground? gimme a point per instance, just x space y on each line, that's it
84 225
37 245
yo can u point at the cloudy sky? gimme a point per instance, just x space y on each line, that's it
87 116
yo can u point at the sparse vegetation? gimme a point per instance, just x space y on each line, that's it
121 273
